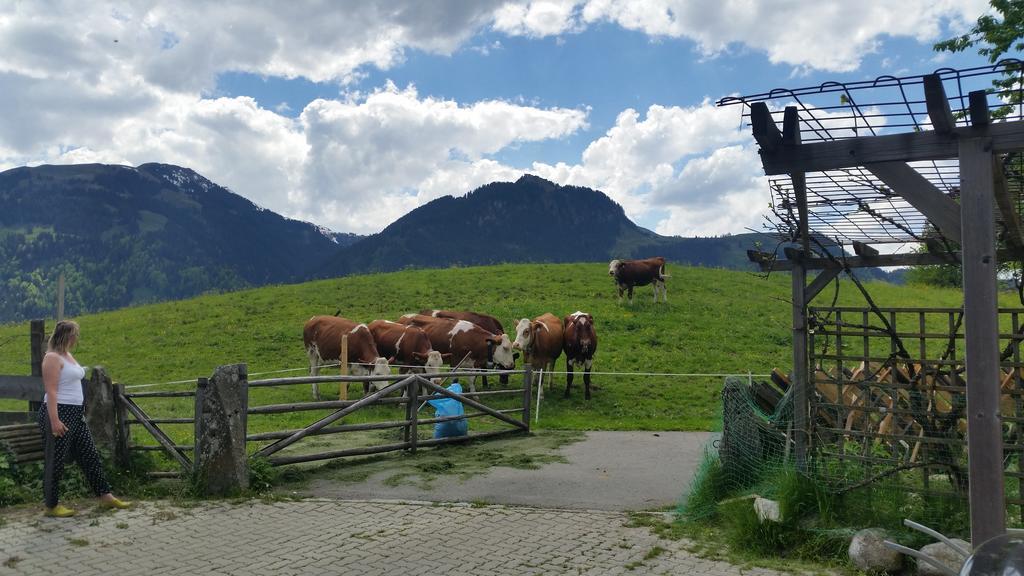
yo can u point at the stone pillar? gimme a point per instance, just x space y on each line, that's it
222 403
99 409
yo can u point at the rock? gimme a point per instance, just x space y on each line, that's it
943 553
222 466
767 509
868 553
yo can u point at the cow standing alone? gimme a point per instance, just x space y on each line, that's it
580 343
540 340
630 273
322 339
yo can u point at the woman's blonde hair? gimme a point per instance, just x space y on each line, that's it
64 333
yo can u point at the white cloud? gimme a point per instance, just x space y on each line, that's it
639 156
807 35
122 82
395 144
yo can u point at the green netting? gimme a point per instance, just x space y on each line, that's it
831 500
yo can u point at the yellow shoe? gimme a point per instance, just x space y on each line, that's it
115 503
60 511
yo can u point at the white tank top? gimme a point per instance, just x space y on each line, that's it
69 386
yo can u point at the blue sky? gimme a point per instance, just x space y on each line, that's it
351 117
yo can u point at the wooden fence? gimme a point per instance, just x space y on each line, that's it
411 387
893 398
212 409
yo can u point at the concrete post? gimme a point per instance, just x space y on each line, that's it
221 463
99 409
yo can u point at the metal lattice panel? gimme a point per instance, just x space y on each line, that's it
852 204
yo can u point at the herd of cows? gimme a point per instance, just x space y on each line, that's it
424 342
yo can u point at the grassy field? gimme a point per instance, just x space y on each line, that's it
716 321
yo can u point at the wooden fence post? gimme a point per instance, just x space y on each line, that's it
37 337
123 435
412 414
99 409
343 368
221 463
527 394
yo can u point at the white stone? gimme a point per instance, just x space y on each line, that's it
767 509
869 553
943 553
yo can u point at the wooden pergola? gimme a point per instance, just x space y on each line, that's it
899 161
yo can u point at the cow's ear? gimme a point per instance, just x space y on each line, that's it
391 360
418 356
446 356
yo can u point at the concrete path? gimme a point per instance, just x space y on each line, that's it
344 538
607 471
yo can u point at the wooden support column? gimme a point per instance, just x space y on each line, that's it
981 332
343 367
37 339
791 139
799 382
121 453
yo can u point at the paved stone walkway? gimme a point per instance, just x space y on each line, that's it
342 537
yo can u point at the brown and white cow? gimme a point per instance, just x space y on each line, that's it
322 339
580 343
630 273
409 345
540 340
487 322
461 338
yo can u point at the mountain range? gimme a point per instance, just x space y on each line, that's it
124 236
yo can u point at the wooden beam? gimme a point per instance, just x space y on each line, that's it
938 104
939 208
791 127
820 282
165 442
978 101
904 147
880 261
22 388
1011 218
862 249
428 385
981 335
328 420
765 131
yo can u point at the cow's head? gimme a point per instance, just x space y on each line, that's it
613 267
524 335
503 357
582 326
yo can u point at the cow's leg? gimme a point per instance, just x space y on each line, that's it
630 295
621 289
568 376
664 292
314 368
586 378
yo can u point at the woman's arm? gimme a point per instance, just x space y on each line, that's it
51 376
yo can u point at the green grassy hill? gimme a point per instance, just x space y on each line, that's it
716 321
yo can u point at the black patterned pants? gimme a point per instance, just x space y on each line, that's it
76 442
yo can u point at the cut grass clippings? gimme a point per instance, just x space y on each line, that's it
426 466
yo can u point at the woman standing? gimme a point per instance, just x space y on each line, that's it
62 421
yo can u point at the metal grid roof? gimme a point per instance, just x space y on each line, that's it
852 204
